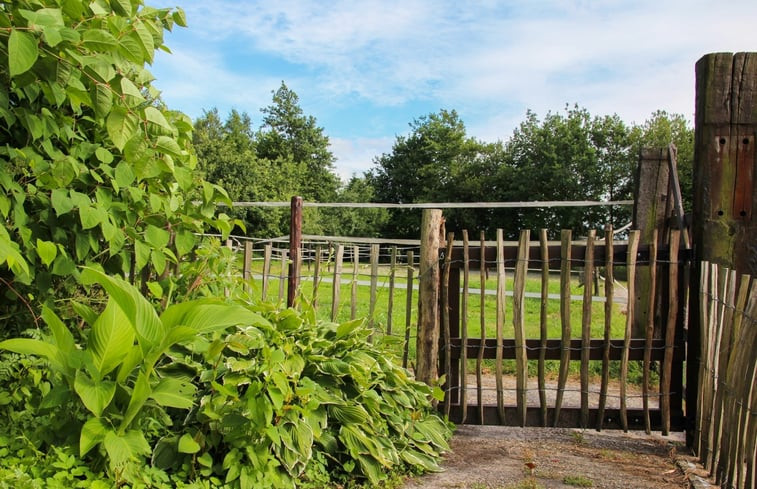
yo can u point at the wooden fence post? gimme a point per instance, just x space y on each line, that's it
295 243
725 201
428 297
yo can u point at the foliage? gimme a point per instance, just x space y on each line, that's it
247 396
93 169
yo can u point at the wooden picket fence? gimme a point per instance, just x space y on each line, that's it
726 428
661 344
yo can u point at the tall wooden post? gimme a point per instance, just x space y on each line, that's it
295 244
427 349
725 203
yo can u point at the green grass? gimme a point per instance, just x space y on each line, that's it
380 319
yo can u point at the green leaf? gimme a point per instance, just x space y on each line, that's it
39 348
111 339
22 52
145 39
99 40
179 17
124 174
104 155
92 433
345 329
91 216
103 100
187 444
156 117
121 126
94 394
139 395
206 315
139 311
158 260
185 241
44 17
168 145
60 201
124 447
157 238
175 393
47 251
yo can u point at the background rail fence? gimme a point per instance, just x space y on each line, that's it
536 284
726 428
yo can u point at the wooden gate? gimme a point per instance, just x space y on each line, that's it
497 374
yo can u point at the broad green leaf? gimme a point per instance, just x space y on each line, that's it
61 201
39 348
168 145
345 329
111 338
139 395
62 336
121 126
145 39
157 238
185 241
103 99
349 414
44 17
124 174
205 315
130 48
92 433
9 253
155 116
22 52
174 393
47 251
122 7
128 364
99 40
104 155
187 444
94 394
179 17
130 90
124 447
138 310
91 216
158 260
52 37
155 289
142 254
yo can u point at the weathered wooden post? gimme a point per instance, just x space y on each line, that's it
427 349
725 202
295 243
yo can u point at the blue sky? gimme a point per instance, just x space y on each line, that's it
366 69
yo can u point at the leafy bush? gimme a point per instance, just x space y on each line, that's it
233 394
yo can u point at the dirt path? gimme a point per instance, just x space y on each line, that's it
497 457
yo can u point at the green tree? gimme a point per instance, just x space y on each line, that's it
425 166
93 168
287 135
567 157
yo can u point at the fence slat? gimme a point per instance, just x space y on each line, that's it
283 274
482 324
713 354
444 300
726 344
519 304
649 331
464 329
562 379
408 305
392 275
704 320
500 324
317 275
670 329
355 269
586 326
247 263
374 258
336 289
633 246
609 296
267 253
543 315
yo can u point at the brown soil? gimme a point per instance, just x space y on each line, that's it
498 457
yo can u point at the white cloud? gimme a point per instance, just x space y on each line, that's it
355 156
